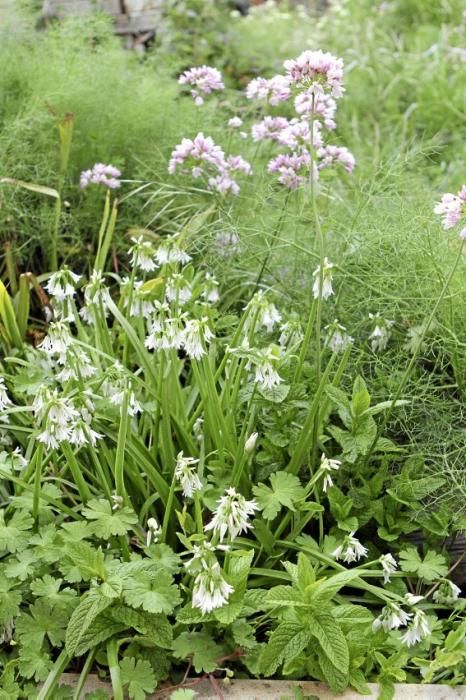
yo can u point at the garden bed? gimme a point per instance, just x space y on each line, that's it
285 690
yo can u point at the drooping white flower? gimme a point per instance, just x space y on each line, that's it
266 362
185 473
389 565
76 364
178 289
232 515
447 593
196 336
327 465
291 332
210 590
96 297
57 340
337 339
381 332
210 291
417 630
350 550
412 599
142 255
141 305
62 284
165 334
5 400
267 313
58 416
392 617
170 251
323 279
154 531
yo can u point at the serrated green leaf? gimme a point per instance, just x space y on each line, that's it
87 560
325 590
200 648
156 594
285 643
83 616
331 639
154 626
285 490
14 535
41 621
433 566
138 676
108 522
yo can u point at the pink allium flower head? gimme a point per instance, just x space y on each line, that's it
276 90
318 71
101 174
336 154
452 208
202 157
269 128
204 80
324 107
293 169
297 134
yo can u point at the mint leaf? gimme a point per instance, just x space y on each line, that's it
433 566
83 616
285 490
138 676
331 639
285 643
108 522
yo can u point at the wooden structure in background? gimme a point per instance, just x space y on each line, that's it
136 20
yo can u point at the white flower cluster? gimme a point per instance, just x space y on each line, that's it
393 617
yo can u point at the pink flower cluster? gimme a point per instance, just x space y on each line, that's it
101 174
318 71
336 154
452 208
202 157
204 79
315 81
293 168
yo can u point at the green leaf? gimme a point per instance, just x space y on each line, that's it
325 590
336 677
285 491
34 663
14 536
138 676
285 643
155 627
275 394
200 649
103 627
433 566
41 622
90 606
22 566
108 522
156 594
89 562
331 639
284 597
9 600
40 189
239 566
48 588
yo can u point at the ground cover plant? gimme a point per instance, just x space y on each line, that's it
218 472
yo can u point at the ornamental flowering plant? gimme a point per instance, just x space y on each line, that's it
189 489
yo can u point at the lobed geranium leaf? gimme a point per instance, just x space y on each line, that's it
285 490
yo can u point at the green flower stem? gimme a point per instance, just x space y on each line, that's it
47 690
84 673
76 471
37 462
120 450
168 510
114 668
